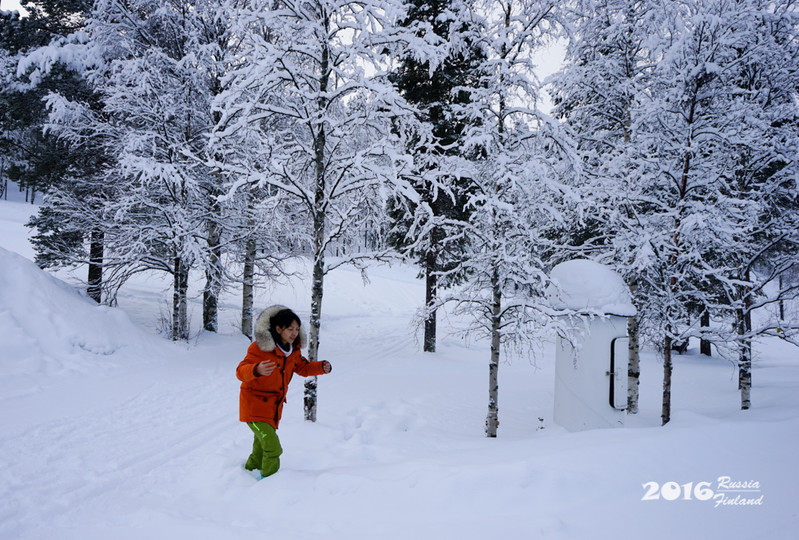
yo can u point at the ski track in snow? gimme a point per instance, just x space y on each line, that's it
79 460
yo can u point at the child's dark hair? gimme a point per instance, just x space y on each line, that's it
282 318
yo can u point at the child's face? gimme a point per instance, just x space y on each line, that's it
288 333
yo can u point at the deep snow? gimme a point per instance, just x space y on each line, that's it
108 430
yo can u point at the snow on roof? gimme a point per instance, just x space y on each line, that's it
590 287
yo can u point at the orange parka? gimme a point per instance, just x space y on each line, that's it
261 398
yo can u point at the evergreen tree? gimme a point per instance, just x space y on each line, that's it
442 194
39 160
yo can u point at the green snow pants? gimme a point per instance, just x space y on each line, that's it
266 449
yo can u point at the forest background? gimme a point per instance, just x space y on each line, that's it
225 138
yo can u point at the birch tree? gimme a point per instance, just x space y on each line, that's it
758 215
691 140
314 89
517 194
596 93
154 67
263 229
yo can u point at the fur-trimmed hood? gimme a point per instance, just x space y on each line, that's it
263 337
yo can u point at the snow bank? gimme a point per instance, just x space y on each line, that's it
48 328
590 287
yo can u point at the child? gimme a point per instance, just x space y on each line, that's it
265 374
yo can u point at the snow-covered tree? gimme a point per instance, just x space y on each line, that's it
256 246
607 68
442 193
312 87
518 159
156 66
757 212
32 159
684 113
66 174
690 136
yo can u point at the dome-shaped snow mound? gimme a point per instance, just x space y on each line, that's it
590 287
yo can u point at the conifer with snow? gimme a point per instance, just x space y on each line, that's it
434 147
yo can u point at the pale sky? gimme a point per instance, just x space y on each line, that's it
9 4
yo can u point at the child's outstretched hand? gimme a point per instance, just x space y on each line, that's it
263 369
326 366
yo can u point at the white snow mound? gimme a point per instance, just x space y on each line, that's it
590 287
47 326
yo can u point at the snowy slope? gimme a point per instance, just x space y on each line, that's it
110 431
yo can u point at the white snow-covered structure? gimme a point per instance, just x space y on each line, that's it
591 366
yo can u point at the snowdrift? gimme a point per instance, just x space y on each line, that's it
48 328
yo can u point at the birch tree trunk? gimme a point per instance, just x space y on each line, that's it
633 366
213 276
317 287
744 324
492 419
633 358
744 360
180 323
248 288
317 290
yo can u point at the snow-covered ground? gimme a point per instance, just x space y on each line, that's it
108 430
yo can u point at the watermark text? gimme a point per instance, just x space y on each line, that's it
725 491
